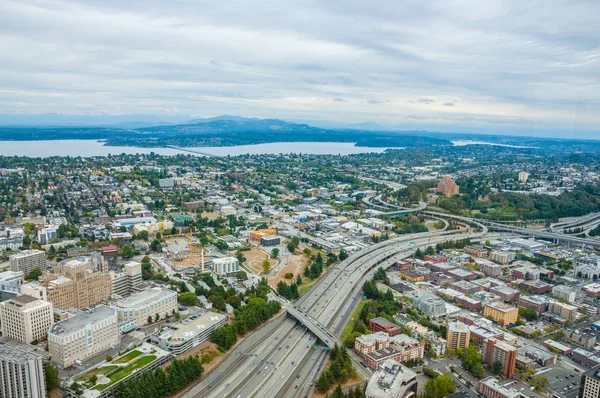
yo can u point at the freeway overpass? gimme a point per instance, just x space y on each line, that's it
318 329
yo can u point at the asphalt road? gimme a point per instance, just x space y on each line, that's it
280 360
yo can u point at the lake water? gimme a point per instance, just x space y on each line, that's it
469 142
88 148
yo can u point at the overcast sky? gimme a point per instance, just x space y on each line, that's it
446 65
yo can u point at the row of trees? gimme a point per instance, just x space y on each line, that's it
246 318
339 371
471 361
290 291
158 383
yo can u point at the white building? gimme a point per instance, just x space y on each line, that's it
10 284
145 304
523 176
182 337
83 335
125 283
564 292
28 260
45 235
21 370
25 318
226 266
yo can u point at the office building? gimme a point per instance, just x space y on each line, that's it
477 251
458 336
502 313
90 287
144 305
127 281
564 292
589 385
21 370
492 269
182 337
28 260
224 266
430 305
392 380
494 350
25 318
490 387
10 284
56 289
537 303
567 311
83 335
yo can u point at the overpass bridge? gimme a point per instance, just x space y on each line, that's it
316 327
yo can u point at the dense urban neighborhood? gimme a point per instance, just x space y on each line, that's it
436 271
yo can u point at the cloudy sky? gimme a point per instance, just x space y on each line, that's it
441 65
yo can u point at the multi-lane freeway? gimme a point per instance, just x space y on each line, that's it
280 359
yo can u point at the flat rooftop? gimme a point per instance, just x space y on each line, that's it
139 299
17 352
81 320
185 331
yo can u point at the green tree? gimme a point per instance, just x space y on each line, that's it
266 265
188 299
275 252
439 387
34 274
127 252
51 375
143 235
497 367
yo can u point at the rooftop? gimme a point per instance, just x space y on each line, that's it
81 320
389 379
493 383
500 306
26 253
17 352
139 299
458 327
184 331
372 338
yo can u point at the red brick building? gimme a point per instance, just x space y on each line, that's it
383 325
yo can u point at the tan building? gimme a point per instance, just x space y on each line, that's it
21 370
502 313
90 287
78 287
590 384
458 336
83 335
447 187
523 176
28 260
25 318
371 342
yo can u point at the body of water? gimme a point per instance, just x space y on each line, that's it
88 148
469 142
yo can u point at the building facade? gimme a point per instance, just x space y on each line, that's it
491 388
501 313
27 260
21 371
494 350
589 386
458 336
25 318
145 305
83 335
226 266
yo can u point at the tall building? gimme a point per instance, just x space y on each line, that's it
90 287
567 311
498 351
27 260
83 335
392 380
502 313
127 281
523 176
226 266
146 304
78 287
458 336
25 318
447 187
45 235
589 386
21 370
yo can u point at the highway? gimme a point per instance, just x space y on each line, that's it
281 361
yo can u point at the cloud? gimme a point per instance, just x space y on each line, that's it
509 63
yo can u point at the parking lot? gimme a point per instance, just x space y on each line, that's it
561 379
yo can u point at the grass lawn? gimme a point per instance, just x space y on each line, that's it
355 315
103 370
126 371
128 357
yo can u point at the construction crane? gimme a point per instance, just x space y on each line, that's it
192 251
